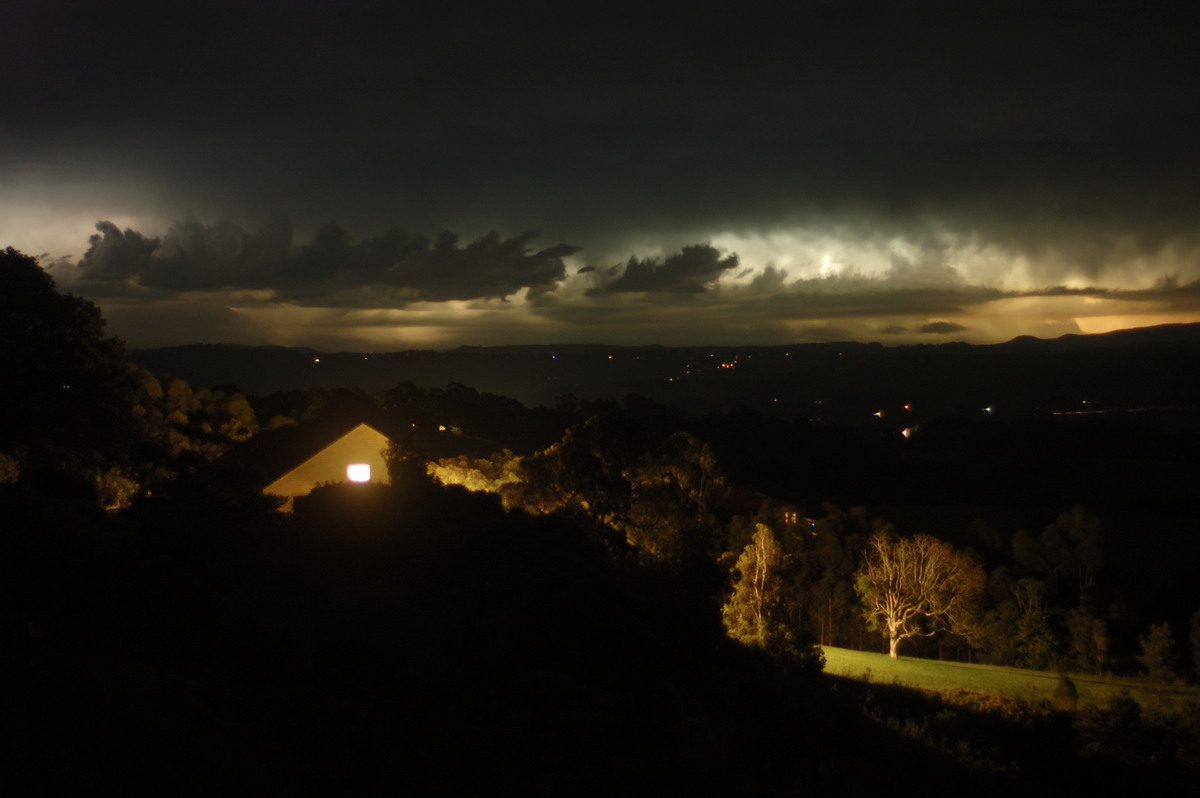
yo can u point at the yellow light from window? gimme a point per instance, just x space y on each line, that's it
358 472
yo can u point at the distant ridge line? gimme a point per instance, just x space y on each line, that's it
1162 333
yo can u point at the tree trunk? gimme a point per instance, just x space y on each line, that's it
830 627
894 645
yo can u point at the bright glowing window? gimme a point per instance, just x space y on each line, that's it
358 472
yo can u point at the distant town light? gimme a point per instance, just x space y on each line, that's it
358 472
906 432
316 360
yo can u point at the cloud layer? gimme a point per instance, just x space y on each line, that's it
226 282
401 268
865 171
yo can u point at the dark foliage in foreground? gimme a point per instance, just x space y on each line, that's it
411 637
1043 749
422 639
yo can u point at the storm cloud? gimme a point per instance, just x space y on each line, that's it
690 271
193 256
941 328
866 170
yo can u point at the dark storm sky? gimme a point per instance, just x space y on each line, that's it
336 175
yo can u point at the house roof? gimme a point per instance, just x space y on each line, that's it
270 454
361 444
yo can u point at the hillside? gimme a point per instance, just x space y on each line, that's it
1017 684
1153 370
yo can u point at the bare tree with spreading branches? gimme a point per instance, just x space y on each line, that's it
916 587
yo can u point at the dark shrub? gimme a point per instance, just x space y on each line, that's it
1066 697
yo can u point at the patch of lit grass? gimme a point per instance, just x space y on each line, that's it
1013 683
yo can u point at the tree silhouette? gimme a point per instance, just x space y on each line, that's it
1158 654
67 392
916 587
1194 640
751 614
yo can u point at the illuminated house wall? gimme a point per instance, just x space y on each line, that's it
363 445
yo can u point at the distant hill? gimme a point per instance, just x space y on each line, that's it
1154 367
1139 337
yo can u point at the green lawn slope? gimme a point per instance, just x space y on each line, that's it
1012 683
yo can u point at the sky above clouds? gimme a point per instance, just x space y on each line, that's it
346 177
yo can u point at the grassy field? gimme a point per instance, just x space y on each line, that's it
1016 683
